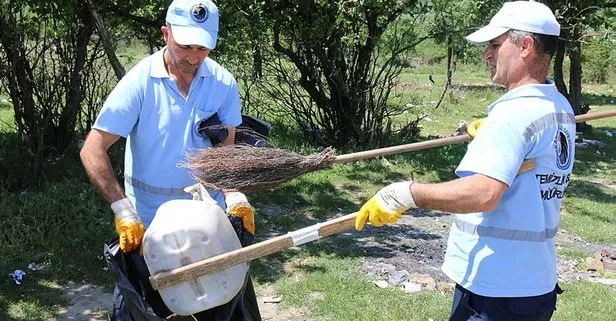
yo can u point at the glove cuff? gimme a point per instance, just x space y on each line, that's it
235 198
397 197
124 209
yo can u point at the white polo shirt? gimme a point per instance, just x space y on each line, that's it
160 125
509 252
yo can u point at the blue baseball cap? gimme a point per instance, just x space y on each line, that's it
193 22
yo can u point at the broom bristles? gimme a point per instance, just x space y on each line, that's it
248 168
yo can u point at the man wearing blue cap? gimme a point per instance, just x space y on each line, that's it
157 106
500 251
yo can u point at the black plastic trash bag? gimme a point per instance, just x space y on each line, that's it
138 301
252 131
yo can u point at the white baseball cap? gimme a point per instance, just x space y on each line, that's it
529 16
193 22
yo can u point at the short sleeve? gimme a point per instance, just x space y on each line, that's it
230 112
497 151
122 107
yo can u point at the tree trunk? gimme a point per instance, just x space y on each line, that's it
257 60
450 51
20 81
559 59
102 32
66 127
575 81
575 77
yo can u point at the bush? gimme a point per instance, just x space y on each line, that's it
598 60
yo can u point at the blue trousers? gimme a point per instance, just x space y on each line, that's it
468 306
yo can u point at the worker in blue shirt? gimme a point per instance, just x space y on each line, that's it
157 106
500 250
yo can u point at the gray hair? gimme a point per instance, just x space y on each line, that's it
544 44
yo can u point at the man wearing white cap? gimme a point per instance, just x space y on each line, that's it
500 251
157 106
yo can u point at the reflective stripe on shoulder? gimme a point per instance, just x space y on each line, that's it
167 191
547 120
502 233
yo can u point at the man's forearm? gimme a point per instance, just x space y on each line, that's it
465 195
230 140
98 167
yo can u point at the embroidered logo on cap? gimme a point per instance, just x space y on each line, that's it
199 13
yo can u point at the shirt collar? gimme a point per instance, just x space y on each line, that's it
532 90
158 69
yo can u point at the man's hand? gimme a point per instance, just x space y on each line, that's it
473 128
386 205
128 225
237 205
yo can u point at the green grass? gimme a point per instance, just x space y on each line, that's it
585 301
334 288
589 212
590 206
62 225
65 222
6 115
573 253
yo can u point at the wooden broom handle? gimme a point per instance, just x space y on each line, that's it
245 254
261 249
283 242
402 148
441 142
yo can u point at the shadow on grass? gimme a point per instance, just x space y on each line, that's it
309 200
480 88
382 243
599 99
592 192
587 159
34 300
386 242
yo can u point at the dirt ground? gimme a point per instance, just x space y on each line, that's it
416 244
93 303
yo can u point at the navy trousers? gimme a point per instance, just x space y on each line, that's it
468 306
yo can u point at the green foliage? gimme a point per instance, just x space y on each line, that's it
332 65
64 222
599 59
52 75
6 115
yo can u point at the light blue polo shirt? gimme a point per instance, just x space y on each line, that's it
160 125
509 252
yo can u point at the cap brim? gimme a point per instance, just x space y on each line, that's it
193 36
485 34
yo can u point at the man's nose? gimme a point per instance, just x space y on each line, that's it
487 54
192 58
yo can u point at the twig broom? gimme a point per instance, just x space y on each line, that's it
248 168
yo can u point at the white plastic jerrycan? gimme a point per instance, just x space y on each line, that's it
188 231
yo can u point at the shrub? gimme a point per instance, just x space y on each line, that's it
599 60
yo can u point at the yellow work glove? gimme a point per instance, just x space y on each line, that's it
128 225
237 205
473 128
386 205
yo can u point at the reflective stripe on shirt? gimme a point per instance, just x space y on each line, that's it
503 233
544 122
167 191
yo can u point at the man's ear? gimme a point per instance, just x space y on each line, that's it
527 45
165 30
